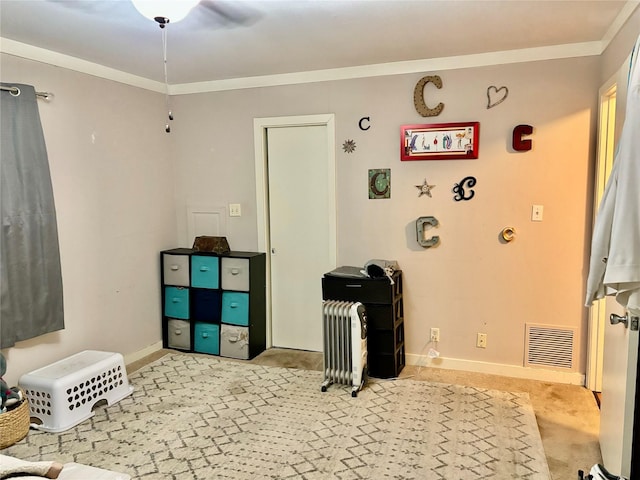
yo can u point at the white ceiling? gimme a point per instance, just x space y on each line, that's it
269 37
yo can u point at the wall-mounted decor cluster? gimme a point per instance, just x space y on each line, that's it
443 141
418 97
425 188
459 189
440 141
349 146
422 226
520 145
495 96
380 183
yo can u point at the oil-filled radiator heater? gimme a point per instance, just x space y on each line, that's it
344 330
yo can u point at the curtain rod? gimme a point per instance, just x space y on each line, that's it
15 91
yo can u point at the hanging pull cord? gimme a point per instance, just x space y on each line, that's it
163 22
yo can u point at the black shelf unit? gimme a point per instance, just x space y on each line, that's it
385 317
212 303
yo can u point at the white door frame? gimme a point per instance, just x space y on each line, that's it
597 315
260 126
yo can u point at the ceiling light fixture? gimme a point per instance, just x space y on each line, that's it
174 10
163 12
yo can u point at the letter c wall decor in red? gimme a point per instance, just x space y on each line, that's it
519 144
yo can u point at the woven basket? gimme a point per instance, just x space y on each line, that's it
14 425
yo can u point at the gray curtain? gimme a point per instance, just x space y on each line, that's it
30 280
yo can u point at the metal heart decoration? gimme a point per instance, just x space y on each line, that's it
497 100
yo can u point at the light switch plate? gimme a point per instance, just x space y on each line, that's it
235 210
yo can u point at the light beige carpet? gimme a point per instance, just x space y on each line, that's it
196 417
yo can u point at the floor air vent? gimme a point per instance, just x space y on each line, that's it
549 346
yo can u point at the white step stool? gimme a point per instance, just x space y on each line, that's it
63 394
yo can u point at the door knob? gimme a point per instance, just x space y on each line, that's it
615 319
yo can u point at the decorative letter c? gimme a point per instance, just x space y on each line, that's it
418 97
519 144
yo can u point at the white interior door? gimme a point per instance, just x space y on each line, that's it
618 393
300 232
619 368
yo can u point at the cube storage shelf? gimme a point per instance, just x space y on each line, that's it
214 304
385 317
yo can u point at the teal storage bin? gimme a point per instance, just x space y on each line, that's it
205 271
235 308
206 338
176 302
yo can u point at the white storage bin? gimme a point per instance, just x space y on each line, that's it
176 270
179 334
234 341
63 394
234 274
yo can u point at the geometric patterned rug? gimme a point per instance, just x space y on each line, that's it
202 417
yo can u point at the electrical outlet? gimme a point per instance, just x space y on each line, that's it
481 341
435 334
234 210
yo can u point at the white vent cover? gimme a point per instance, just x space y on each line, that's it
549 346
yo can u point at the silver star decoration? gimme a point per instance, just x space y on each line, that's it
349 146
425 189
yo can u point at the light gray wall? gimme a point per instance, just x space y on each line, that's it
113 186
472 282
122 187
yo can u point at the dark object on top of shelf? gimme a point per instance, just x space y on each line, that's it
348 272
217 245
381 269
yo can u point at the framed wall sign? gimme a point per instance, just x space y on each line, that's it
440 141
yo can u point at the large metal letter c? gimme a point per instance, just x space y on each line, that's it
418 97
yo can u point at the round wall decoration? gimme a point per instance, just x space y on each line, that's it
349 146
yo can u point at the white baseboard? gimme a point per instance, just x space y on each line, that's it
514 371
135 356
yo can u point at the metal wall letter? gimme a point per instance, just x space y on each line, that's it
458 189
421 231
418 97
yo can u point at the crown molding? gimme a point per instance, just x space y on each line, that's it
395 68
363 71
619 21
50 57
